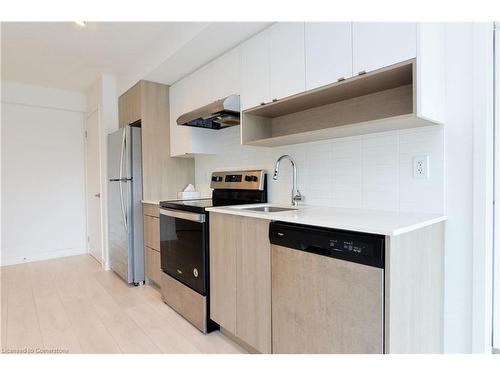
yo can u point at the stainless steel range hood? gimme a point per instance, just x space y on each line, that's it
217 115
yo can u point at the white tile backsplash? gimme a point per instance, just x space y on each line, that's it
371 171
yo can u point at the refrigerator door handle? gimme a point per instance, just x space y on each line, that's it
122 203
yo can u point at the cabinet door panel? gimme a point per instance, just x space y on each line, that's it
152 232
286 62
225 75
328 47
129 105
253 307
379 44
224 242
180 136
255 71
152 265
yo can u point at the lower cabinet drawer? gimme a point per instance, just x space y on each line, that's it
152 264
152 232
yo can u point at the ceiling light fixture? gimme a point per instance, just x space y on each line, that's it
80 23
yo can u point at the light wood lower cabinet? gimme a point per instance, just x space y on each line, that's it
322 304
152 232
152 264
240 278
224 241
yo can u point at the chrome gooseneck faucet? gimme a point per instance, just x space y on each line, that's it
296 196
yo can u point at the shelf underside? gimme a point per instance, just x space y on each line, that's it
381 80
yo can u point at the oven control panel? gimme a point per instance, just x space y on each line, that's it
252 180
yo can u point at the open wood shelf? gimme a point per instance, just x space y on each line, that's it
378 101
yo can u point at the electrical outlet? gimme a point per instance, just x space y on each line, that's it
421 166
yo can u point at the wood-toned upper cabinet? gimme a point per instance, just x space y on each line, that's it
162 176
255 71
328 52
286 59
129 106
379 44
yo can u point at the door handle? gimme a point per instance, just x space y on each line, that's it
98 195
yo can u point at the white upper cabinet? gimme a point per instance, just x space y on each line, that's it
213 81
255 71
289 58
328 50
225 75
286 59
379 44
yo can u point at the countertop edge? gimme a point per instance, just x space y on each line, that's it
364 229
145 201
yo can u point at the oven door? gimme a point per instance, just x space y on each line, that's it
184 245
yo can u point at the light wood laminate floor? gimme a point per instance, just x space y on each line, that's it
72 304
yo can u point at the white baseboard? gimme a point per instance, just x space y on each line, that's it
18 259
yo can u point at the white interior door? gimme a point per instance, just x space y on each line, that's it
93 165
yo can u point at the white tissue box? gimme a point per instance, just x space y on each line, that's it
188 195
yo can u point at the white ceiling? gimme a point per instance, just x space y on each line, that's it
67 56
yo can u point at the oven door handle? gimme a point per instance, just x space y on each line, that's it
199 218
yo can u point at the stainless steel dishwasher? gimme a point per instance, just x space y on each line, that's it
327 290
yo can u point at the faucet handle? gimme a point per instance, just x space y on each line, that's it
298 197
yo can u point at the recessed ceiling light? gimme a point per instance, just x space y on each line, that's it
80 23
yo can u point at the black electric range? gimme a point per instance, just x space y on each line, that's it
184 237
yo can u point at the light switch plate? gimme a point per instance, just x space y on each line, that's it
421 166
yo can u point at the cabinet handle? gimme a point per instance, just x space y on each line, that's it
275 100
341 79
362 72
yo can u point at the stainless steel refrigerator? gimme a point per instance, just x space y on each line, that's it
126 255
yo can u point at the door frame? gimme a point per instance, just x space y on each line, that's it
483 187
101 186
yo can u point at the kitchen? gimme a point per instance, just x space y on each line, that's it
270 196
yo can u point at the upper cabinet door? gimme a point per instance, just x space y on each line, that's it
286 61
328 52
378 44
225 75
255 71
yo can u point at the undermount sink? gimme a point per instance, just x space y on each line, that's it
269 209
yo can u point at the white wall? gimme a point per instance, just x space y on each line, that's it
482 272
459 188
43 194
370 171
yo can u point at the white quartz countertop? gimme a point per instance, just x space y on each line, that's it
359 220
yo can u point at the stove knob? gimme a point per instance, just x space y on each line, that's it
214 178
251 178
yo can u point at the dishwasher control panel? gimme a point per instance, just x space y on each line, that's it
363 248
